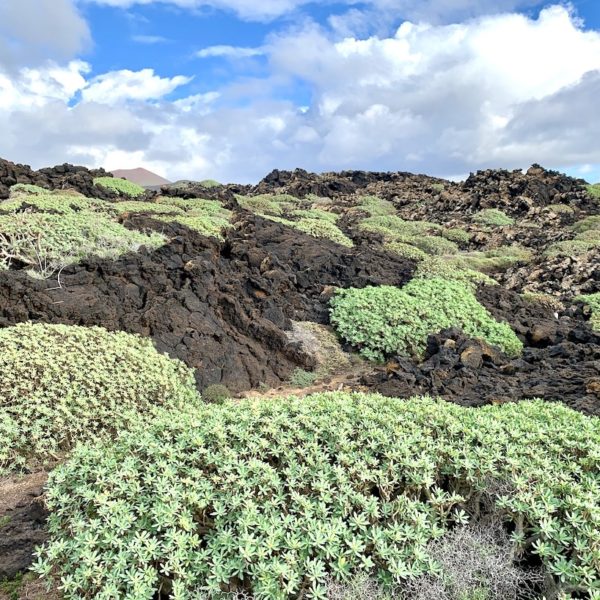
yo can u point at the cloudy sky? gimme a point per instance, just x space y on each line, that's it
230 89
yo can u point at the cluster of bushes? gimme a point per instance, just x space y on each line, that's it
123 187
375 206
587 237
44 239
268 204
429 238
384 321
278 498
64 384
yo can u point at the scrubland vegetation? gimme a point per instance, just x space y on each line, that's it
162 487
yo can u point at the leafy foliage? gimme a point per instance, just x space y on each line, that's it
375 206
301 378
560 209
49 241
27 188
587 224
494 217
405 250
280 496
594 190
216 393
210 183
456 234
451 268
570 248
151 208
267 204
63 384
394 227
593 301
495 259
382 321
51 203
435 245
120 186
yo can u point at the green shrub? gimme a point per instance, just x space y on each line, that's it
194 205
216 393
438 187
496 259
267 204
451 268
393 227
63 384
594 190
51 203
560 209
209 225
210 183
120 186
405 250
150 208
383 321
593 301
376 206
27 188
569 248
278 496
456 234
47 242
434 245
591 222
591 235
316 213
301 378
493 217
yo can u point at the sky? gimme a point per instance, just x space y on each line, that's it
231 89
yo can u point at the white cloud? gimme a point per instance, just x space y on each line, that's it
125 85
502 91
33 31
229 52
149 39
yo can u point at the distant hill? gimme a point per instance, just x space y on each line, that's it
142 177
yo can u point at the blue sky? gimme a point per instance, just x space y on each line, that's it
234 88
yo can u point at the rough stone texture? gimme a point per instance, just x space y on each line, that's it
54 178
222 308
472 373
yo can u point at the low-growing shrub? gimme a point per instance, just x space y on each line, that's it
120 186
385 320
570 248
210 183
405 250
322 228
593 301
46 242
496 259
277 497
591 222
51 203
393 227
594 190
434 245
216 393
316 213
560 209
451 268
150 208
267 204
456 234
27 188
64 384
301 378
376 206
494 217
208 224
474 562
